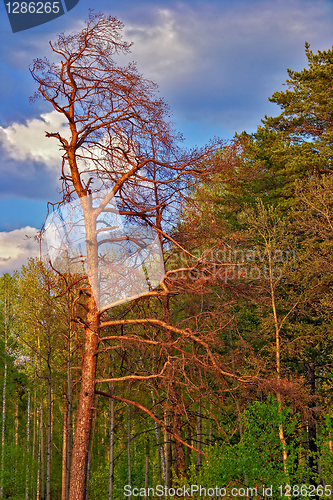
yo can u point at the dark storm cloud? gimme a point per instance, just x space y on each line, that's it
220 64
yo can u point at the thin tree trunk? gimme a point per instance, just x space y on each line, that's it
6 319
34 430
129 480
35 424
278 360
42 457
234 385
111 445
189 440
28 450
330 442
199 425
69 413
49 420
41 427
168 453
312 429
16 422
4 395
161 460
64 453
147 466
38 461
160 450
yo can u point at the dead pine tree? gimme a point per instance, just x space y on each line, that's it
118 138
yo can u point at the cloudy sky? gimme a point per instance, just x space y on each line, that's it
216 63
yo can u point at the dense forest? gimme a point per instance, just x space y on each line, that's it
217 383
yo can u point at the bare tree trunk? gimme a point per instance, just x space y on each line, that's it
160 451
69 413
4 408
189 440
147 466
42 458
278 358
34 436
35 424
168 453
28 450
129 481
16 422
49 419
161 456
41 427
85 406
199 424
111 445
38 461
64 453
234 385
312 429
91 449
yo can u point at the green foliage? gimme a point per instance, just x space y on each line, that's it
257 458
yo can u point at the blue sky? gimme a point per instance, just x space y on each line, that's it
216 64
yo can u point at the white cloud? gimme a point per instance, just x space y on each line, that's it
28 141
16 247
